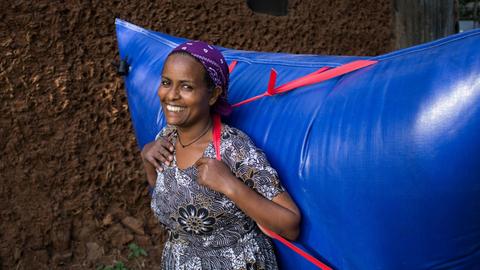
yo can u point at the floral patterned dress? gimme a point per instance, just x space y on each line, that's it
206 229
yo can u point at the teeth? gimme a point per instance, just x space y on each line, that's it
173 108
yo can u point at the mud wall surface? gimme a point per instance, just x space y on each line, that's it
73 192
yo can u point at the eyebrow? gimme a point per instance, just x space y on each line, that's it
182 81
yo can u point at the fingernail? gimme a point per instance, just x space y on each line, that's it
171 148
168 163
170 158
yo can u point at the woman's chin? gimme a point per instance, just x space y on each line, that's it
174 122
173 118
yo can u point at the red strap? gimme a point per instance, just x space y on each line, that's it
217 131
271 87
271 83
232 66
316 77
299 251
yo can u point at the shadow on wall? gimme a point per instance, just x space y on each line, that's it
272 7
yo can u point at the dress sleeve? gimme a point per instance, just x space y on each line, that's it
166 132
250 164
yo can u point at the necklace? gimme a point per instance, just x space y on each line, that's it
196 139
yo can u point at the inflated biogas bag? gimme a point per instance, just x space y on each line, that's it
383 160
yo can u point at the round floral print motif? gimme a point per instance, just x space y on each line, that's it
195 221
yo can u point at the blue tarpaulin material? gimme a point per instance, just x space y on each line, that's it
383 161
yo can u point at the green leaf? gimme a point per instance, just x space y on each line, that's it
120 266
136 251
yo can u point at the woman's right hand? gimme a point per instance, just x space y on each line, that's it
158 152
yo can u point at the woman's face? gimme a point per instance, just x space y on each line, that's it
183 91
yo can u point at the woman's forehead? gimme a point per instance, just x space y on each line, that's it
183 65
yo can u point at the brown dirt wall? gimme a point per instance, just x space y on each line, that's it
73 193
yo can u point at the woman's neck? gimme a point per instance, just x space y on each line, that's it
194 132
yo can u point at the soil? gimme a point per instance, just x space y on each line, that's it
73 192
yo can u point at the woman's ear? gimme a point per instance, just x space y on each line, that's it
217 91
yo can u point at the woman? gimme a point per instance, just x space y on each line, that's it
211 207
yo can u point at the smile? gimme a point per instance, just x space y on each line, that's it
173 108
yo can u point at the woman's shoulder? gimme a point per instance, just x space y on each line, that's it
233 133
234 139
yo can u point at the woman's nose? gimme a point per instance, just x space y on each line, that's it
173 92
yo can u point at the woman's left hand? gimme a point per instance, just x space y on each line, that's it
214 174
280 215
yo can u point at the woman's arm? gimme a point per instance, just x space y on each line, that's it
151 173
280 214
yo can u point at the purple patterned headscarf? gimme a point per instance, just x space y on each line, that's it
216 67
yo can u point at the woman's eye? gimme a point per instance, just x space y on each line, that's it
165 83
187 87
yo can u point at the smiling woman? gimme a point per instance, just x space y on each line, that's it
184 93
213 209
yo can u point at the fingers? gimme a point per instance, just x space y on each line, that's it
166 144
201 172
155 164
158 152
160 156
164 155
201 161
164 150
